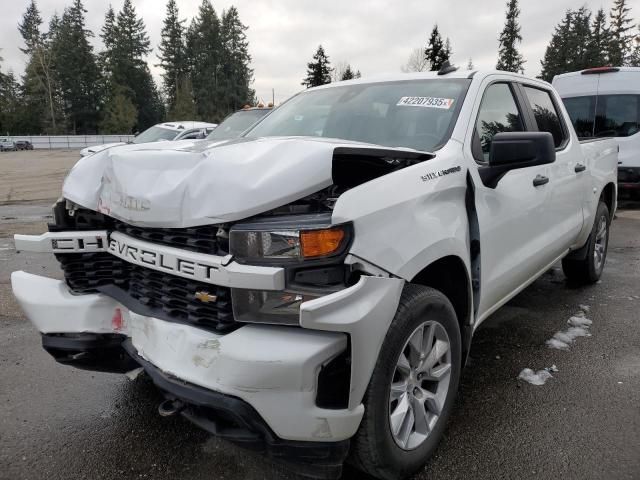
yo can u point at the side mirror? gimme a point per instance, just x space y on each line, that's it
512 150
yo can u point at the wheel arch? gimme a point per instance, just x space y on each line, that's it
609 196
447 275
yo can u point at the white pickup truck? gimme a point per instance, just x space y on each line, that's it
312 289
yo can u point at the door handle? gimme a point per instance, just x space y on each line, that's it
580 168
540 180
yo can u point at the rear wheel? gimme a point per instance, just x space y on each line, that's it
589 269
413 386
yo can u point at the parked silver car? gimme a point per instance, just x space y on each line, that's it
7 144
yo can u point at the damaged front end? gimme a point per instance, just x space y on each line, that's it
256 323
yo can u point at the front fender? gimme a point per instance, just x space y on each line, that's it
408 219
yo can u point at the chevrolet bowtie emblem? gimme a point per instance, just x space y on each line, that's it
206 297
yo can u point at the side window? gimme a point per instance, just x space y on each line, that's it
545 113
582 111
498 113
618 116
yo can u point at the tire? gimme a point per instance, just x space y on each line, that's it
375 449
589 269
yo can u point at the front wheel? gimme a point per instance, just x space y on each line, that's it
412 388
589 269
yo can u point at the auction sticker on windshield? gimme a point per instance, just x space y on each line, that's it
430 102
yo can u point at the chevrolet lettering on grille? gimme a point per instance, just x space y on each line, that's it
168 260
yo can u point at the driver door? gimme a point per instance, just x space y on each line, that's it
511 217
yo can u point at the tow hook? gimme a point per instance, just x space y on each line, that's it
169 408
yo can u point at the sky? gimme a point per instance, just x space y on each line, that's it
374 36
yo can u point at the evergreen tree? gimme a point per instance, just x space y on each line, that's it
237 74
108 35
569 49
509 59
318 70
437 51
555 57
579 38
621 38
76 71
10 107
349 74
29 28
184 108
172 52
598 45
635 54
204 61
126 45
120 113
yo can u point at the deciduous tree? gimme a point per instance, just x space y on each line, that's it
417 61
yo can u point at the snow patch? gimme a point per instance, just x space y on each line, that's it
584 308
535 378
578 327
557 344
583 322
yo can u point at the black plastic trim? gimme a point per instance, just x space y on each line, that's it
89 351
566 136
237 421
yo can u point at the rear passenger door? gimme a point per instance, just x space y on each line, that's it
568 178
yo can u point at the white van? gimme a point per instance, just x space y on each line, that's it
605 102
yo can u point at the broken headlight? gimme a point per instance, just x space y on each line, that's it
307 246
288 239
262 306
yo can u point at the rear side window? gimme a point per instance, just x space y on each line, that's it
582 111
545 113
617 116
498 113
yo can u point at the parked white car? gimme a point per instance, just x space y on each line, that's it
169 131
236 123
315 285
605 102
7 144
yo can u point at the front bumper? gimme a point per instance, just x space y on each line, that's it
273 369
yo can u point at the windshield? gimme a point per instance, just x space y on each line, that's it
236 123
154 134
416 114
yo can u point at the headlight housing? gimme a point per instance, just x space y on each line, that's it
308 247
288 240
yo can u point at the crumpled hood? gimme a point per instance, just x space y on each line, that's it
190 183
98 148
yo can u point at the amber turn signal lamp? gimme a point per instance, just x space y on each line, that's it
319 243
